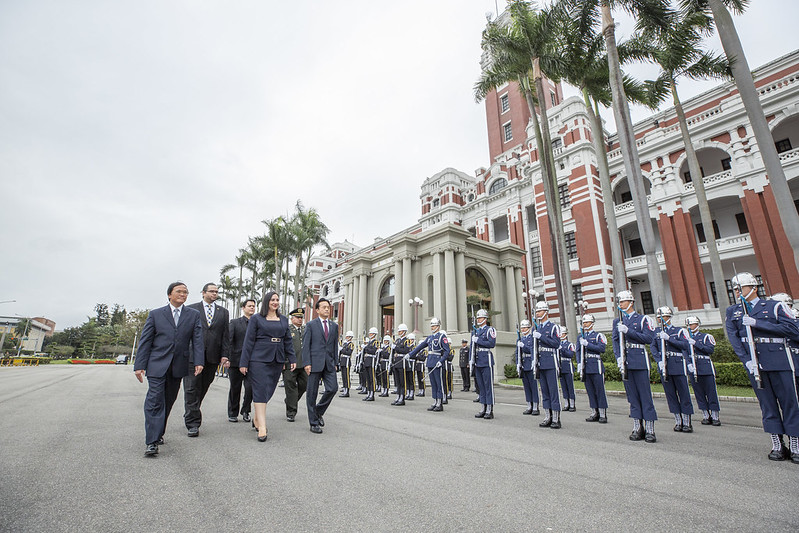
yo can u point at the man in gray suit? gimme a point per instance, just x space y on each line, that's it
319 347
171 347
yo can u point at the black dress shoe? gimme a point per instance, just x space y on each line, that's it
528 411
316 429
677 427
232 419
716 422
421 394
706 422
160 441
593 418
362 392
290 418
489 416
344 395
438 408
246 417
194 432
546 423
603 420
449 396
779 455
650 437
572 409
409 398
637 435
795 458
444 401
476 400
384 395
536 412
555 425
688 429
401 402
321 422
481 414
151 451
431 408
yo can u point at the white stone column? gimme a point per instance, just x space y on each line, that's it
356 289
362 289
399 304
451 296
407 292
511 308
438 301
460 288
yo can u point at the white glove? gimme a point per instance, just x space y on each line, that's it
749 321
438 365
691 368
691 341
750 366
579 367
583 342
520 344
519 369
663 335
536 334
661 366
407 357
474 338
621 327
620 363
393 346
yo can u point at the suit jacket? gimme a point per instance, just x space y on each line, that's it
317 351
237 329
163 345
267 341
217 336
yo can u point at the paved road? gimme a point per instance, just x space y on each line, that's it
72 441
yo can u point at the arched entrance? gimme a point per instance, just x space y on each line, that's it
478 294
386 303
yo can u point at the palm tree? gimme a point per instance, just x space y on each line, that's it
309 231
511 61
746 87
678 53
281 244
653 13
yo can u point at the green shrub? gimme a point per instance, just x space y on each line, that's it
510 372
732 374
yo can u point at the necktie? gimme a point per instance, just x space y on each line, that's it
209 314
177 316
326 331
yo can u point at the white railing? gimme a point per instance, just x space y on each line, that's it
789 156
639 262
714 179
629 206
728 244
534 235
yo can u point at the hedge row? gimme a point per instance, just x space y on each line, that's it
91 361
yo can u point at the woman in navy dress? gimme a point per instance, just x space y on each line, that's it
267 347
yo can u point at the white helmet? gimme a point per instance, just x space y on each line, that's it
625 296
412 336
691 320
435 322
402 327
664 311
563 330
372 331
588 317
525 324
744 279
542 306
387 338
482 313
349 334
784 298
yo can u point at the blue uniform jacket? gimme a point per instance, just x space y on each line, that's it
775 325
524 355
705 345
674 348
548 344
640 334
566 356
597 343
437 346
486 339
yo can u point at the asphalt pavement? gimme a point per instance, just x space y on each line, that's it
72 441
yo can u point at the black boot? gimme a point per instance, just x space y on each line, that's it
547 421
400 400
603 418
555 420
778 450
638 430
687 427
439 406
489 412
535 412
594 416
482 412
649 436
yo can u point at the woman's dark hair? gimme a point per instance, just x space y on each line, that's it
265 304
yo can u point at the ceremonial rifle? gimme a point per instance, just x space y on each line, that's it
622 345
663 346
535 350
693 353
584 305
749 337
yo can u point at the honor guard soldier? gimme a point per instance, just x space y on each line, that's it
632 333
438 348
359 369
546 337
484 338
419 365
667 349
370 363
527 367
448 376
701 371
567 371
463 363
345 362
758 330
400 350
793 346
410 386
384 363
592 369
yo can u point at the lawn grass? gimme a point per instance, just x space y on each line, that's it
723 390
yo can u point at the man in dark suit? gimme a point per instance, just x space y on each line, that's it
216 337
171 347
319 347
237 330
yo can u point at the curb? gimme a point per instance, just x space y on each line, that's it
740 399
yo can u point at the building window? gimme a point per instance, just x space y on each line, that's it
743 227
726 163
626 196
553 98
508 131
577 293
532 221
535 259
571 245
783 146
498 184
647 305
556 143
563 193
504 103
700 232
473 231
436 202
636 248
500 229
687 175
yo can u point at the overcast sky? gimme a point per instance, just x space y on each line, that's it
143 141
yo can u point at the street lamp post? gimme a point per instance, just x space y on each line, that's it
416 303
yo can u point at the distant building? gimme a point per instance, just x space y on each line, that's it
38 329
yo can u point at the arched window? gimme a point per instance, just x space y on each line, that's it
497 185
478 293
337 287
